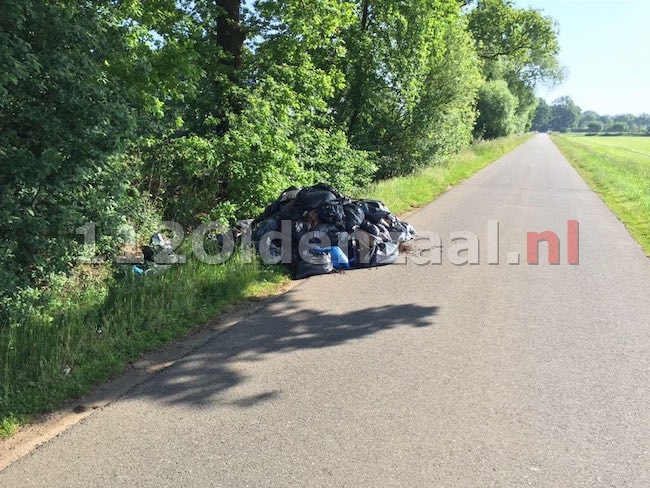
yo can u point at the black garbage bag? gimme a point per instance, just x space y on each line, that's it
331 213
278 206
299 229
370 228
362 249
354 216
311 197
384 233
270 211
333 232
399 226
344 241
318 238
385 253
341 239
401 231
304 239
325 186
263 228
311 263
375 210
289 194
290 211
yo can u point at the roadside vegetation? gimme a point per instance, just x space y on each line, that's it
116 116
618 169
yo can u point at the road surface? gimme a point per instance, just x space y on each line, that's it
409 375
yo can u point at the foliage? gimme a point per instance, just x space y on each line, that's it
565 114
519 46
497 108
61 117
404 193
543 115
413 76
618 127
562 116
595 126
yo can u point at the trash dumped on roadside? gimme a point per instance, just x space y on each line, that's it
317 230
158 256
314 230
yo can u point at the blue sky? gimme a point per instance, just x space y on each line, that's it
605 50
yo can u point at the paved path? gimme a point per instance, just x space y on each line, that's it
409 376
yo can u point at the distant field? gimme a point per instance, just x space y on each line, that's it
618 168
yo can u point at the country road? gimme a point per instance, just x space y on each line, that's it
410 375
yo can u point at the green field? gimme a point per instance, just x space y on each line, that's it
618 169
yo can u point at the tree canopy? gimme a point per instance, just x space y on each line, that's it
519 46
564 115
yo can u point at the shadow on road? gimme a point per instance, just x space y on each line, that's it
201 378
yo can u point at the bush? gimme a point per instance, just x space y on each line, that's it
269 146
61 119
497 108
595 127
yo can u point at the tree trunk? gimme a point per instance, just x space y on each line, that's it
356 90
230 34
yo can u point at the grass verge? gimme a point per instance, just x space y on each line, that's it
90 327
618 169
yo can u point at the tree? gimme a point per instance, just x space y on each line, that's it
519 46
643 122
565 114
618 127
542 118
412 78
62 116
595 127
587 118
497 111
523 39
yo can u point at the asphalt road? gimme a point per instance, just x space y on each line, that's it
409 375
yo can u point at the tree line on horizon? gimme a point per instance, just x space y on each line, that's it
564 115
127 112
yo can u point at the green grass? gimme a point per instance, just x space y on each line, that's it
618 169
8 426
97 322
90 331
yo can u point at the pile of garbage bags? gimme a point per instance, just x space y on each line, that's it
316 230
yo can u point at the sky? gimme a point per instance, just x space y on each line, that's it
605 49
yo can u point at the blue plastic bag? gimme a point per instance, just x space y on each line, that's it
339 259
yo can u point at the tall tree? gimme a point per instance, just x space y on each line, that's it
565 114
411 70
519 46
497 108
542 118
